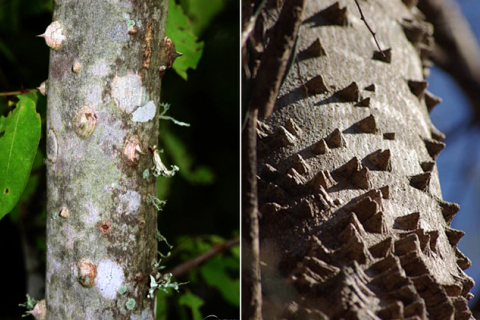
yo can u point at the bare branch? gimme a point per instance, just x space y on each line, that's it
185 267
362 17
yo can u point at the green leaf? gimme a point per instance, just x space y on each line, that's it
21 134
215 274
193 302
179 29
202 12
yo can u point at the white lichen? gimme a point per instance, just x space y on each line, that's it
145 113
110 279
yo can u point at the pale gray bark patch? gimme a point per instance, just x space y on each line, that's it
129 202
127 91
145 113
110 278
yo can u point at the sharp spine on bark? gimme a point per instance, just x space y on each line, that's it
335 15
382 249
452 290
413 264
353 228
408 244
433 147
349 168
315 49
284 137
370 88
364 208
367 125
301 165
349 94
320 147
384 56
363 103
389 135
306 209
454 235
293 128
380 159
427 166
390 280
385 192
416 31
335 139
431 100
462 261
354 250
408 222
316 85
449 209
361 179
376 224
421 181
417 87
384 264
294 180
436 134
269 172
322 179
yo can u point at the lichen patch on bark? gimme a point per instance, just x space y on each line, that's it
127 91
110 278
129 202
145 113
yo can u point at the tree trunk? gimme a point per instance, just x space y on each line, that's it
352 221
103 95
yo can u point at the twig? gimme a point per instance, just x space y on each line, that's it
362 17
181 269
11 93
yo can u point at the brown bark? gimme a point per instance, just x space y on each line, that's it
353 225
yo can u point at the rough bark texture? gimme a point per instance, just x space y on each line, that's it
353 225
103 97
251 281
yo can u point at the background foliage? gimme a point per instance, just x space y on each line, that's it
203 199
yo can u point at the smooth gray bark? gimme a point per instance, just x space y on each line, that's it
103 100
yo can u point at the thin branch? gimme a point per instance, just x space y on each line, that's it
11 93
362 17
185 267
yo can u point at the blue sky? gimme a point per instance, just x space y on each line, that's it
459 163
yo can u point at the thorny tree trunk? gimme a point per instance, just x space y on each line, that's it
352 221
103 92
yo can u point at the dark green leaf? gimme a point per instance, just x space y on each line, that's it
18 147
193 302
179 29
202 12
215 274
